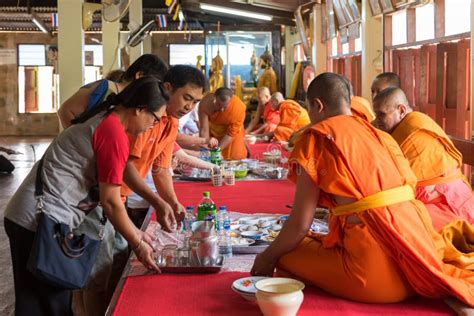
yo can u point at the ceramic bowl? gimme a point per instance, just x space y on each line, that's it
279 296
241 173
255 235
248 220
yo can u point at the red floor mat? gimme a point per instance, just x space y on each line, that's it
212 295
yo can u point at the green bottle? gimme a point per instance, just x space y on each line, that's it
216 156
206 210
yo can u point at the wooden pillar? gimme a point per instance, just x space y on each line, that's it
136 15
110 49
372 46
70 48
319 49
291 37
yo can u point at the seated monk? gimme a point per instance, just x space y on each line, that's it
381 246
360 107
265 111
222 115
432 156
383 81
293 117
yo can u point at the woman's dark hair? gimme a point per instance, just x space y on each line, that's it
180 75
148 65
145 92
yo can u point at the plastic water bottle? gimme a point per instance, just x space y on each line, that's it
206 208
204 154
223 229
189 219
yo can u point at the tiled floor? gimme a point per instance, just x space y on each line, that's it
32 149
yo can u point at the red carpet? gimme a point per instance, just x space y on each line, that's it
176 294
212 295
265 196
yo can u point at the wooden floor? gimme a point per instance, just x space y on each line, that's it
32 149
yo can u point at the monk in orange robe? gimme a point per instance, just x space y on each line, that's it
383 81
432 156
222 115
381 246
293 117
265 111
360 107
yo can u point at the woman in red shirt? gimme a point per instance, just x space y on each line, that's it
87 158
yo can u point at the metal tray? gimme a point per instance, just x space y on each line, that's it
194 269
258 247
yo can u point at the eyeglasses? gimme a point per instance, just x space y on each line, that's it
157 119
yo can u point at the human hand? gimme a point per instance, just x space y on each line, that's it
213 142
263 265
179 213
165 216
145 252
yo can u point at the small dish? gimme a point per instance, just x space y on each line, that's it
255 235
247 284
248 220
242 242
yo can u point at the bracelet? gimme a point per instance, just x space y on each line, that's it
139 244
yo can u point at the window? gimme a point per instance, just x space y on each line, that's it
399 28
334 46
425 22
186 54
358 44
31 55
93 63
457 16
345 48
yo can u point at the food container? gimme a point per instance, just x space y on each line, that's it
255 235
279 296
251 163
229 177
216 179
241 173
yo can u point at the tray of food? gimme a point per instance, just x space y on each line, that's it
253 234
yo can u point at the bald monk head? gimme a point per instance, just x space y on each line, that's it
390 106
222 98
348 82
328 95
383 81
276 99
263 95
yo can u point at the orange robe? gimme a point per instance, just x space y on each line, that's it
394 252
361 107
436 164
292 117
270 117
230 122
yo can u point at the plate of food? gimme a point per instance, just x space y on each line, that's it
247 284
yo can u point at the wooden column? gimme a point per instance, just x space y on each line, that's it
136 15
319 50
290 40
110 42
70 48
372 46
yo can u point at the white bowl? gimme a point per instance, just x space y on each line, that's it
279 296
248 220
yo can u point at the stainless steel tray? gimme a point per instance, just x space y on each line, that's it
194 269
258 247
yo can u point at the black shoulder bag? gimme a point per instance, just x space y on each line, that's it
58 256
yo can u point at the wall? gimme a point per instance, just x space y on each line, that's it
12 122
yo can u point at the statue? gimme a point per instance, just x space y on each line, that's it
268 78
217 79
198 62
254 71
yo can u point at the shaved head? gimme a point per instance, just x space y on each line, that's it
328 95
348 82
276 99
263 95
383 81
391 106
